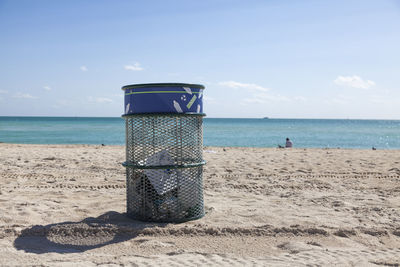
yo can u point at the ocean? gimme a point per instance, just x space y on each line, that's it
305 133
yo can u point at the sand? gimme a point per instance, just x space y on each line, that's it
63 205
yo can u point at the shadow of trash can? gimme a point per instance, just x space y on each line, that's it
164 151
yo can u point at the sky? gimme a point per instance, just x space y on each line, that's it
281 59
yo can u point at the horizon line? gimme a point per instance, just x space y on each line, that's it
261 118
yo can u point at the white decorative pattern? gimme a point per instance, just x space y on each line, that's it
177 107
188 90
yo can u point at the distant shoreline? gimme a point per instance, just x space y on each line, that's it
208 117
204 147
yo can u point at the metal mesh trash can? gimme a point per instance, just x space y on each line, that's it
164 151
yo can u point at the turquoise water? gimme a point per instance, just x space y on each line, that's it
382 134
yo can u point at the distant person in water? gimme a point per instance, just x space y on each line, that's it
288 143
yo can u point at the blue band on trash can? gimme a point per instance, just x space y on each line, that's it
163 98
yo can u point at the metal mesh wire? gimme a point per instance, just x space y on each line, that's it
164 167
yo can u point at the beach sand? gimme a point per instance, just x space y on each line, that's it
63 205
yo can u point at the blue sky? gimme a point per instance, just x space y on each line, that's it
282 59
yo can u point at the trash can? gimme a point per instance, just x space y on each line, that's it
164 151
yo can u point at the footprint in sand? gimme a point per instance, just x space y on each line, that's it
151 243
295 247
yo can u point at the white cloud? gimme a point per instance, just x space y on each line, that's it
3 92
134 67
354 81
84 68
248 86
23 95
47 88
100 100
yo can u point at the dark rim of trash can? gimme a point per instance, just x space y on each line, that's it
180 166
143 85
163 114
